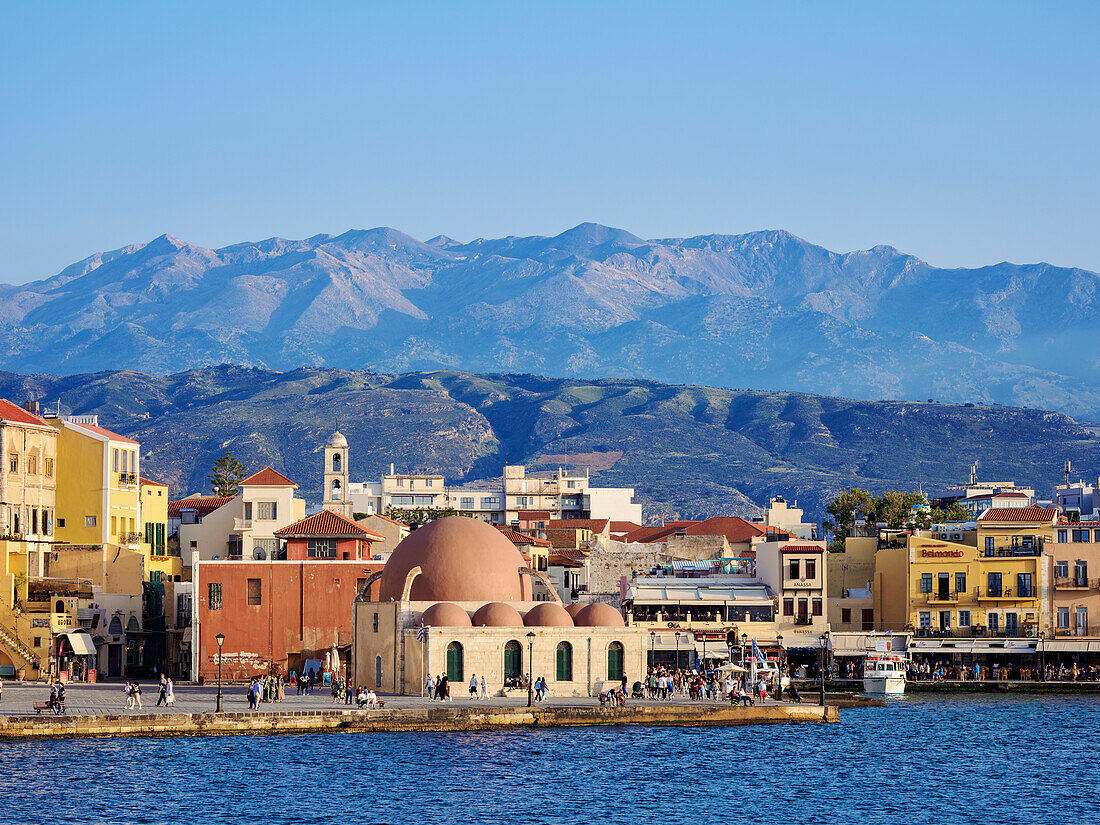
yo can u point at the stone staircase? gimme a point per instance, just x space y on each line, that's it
9 640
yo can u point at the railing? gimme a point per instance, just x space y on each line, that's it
951 596
128 479
242 524
1006 593
803 620
977 632
1032 547
1076 631
1072 583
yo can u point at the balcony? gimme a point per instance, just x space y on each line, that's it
977 632
1073 583
131 539
1007 593
127 480
1077 631
240 524
950 597
1026 546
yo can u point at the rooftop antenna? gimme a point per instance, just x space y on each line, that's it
1068 470
974 473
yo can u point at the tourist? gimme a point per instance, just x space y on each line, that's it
135 691
473 685
128 695
446 687
484 688
429 687
169 693
623 681
795 696
762 690
372 699
360 697
162 695
348 690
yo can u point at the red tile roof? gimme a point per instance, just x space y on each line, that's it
522 539
624 526
267 477
596 525
801 548
327 524
202 505
148 482
1011 495
534 515
17 415
567 558
103 431
384 518
1032 512
736 530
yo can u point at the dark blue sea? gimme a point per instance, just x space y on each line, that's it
965 760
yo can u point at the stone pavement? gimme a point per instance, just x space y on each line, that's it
106 698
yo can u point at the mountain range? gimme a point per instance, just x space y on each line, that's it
764 310
688 451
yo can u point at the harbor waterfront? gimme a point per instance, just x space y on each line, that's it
854 770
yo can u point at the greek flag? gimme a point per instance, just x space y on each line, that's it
421 633
759 654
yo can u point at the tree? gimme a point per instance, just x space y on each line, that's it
418 516
226 475
896 509
847 509
952 513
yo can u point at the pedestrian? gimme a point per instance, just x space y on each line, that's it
446 685
169 694
429 687
135 691
484 688
473 685
129 695
348 691
162 696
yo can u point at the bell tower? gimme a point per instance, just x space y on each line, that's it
336 475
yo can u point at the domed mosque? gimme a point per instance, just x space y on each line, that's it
455 598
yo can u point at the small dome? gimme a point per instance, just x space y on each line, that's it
461 560
337 440
445 614
497 614
575 608
548 614
599 614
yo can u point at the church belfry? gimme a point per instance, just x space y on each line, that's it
336 475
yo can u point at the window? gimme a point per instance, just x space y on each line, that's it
378 671
1063 535
114 525
1076 535
265 549
1023 585
1011 623
1081 573
125 461
1063 618
994 584
521 501
816 604
960 583
47 468
788 607
489 502
925 582
1061 569
321 548
1096 536
114 460
945 620
990 544
925 619
336 462
615 661
572 485
454 663
214 595
467 503
994 622
1082 621
845 615
513 660
266 511
61 522
375 622
13 463
564 662
423 500
428 482
811 569
32 468
400 482
795 569
964 618
401 501
255 591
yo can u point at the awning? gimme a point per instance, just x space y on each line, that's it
971 646
1071 646
801 642
715 654
82 643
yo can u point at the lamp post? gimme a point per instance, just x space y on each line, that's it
1042 656
744 644
821 668
779 669
652 642
221 641
677 649
531 665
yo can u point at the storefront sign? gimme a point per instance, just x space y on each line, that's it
710 637
929 553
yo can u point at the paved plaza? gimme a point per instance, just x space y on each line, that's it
107 698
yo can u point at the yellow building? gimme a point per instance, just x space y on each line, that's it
98 485
162 562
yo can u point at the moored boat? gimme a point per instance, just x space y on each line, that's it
884 674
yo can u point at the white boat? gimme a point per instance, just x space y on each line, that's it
884 674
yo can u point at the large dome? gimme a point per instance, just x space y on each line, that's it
575 608
461 560
445 614
599 614
497 614
548 614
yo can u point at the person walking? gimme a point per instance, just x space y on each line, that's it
473 686
135 691
169 693
162 696
484 688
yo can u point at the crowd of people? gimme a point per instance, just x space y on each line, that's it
1054 672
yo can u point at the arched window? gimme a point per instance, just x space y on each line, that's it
335 462
565 662
116 626
59 607
454 663
615 661
378 671
336 488
513 660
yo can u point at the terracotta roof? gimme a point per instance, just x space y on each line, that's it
325 524
646 535
522 539
103 431
567 558
1032 512
17 415
1011 495
384 518
596 525
736 530
202 505
148 482
624 526
801 548
528 515
267 477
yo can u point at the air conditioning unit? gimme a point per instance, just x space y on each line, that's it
956 536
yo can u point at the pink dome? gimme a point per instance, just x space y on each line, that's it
548 614
497 614
575 608
599 614
461 560
445 614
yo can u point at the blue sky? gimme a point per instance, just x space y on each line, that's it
962 133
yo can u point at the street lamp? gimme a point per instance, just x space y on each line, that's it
221 641
779 669
531 666
677 649
652 642
1042 656
821 667
744 644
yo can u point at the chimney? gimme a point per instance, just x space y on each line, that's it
32 407
391 469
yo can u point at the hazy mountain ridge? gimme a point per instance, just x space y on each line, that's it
764 309
689 451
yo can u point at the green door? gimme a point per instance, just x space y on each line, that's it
454 663
615 661
565 662
512 660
